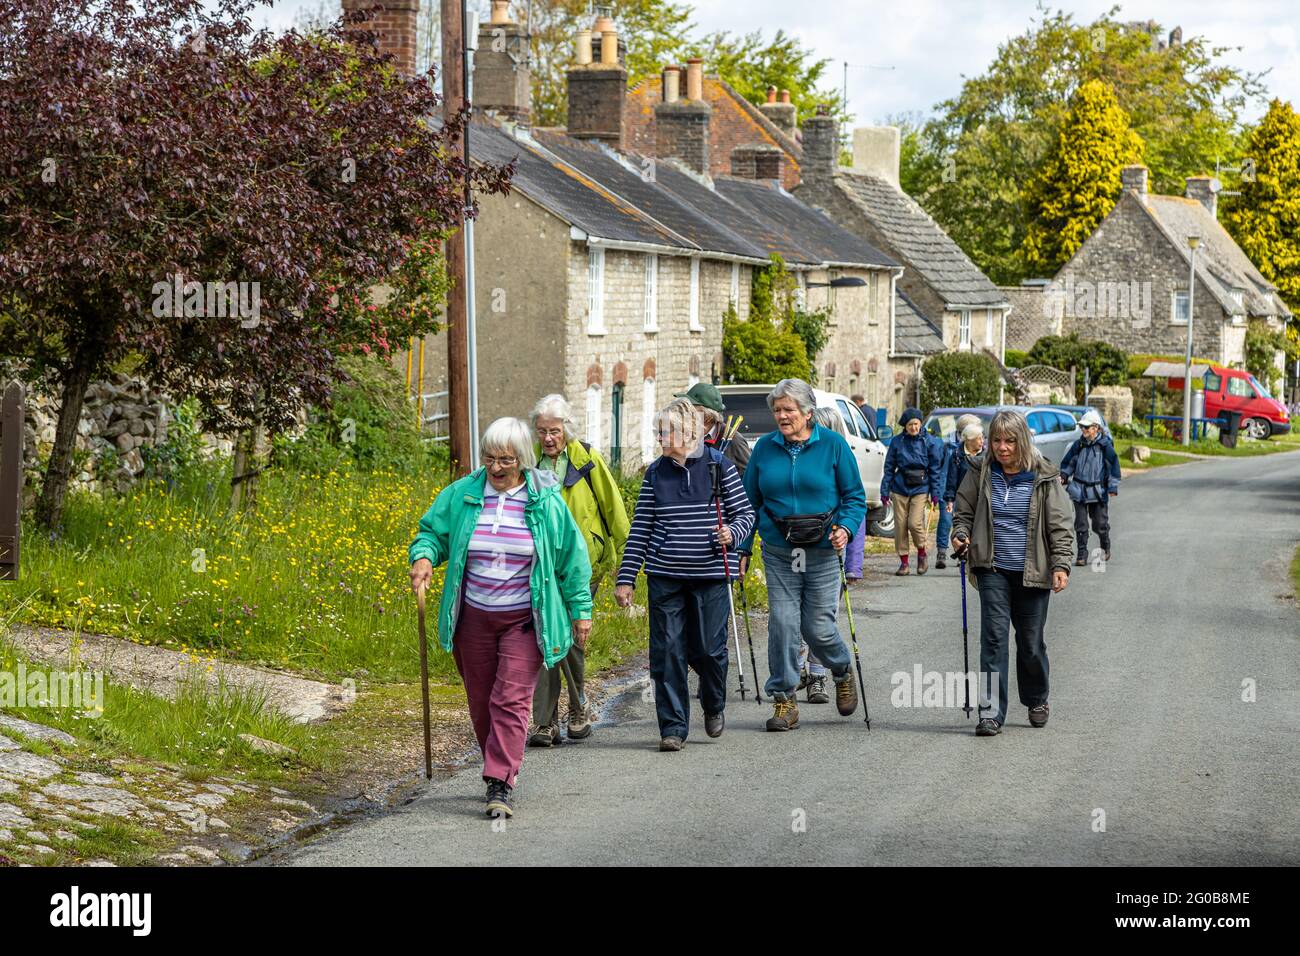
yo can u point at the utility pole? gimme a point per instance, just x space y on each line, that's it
458 401
1192 243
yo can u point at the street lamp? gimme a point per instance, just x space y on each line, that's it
1192 243
844 282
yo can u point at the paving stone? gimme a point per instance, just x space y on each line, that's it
24 767
290 802
97 778
35 731
209 800
6 835
65 835
40 848
11 816
203 853
99 863
219 788
7 786
7 744
36 836
107 800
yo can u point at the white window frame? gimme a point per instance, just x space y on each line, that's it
1174 298
873 317
649 443
595 403
694 322
963 329
801 292
988 328
595 291
735 285
651 301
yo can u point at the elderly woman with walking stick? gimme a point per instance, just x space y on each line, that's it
690 511
1014 527
804 484
515 596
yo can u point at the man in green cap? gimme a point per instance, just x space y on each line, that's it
709 400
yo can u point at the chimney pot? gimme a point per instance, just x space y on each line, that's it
609 46
695 79
785 96
672 84
584 47
771 94
500 12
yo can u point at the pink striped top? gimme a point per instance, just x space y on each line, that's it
501 553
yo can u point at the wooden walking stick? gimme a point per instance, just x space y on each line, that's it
424 684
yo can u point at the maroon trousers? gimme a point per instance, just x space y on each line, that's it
498 658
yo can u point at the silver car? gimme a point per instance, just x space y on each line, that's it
1054 430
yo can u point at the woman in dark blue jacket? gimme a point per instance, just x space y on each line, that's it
913 474
1091 473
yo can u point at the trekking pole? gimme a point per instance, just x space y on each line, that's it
744 609
965 652
424 684
731 603
853 634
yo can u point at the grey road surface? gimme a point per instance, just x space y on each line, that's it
1149 735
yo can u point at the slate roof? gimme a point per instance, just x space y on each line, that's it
1220 262
913 332
923 246
795 230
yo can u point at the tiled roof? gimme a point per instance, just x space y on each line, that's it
913 333
923 246
568 194
1220 262
796 231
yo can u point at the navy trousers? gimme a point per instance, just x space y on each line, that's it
688 629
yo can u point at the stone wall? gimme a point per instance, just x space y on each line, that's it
1115 402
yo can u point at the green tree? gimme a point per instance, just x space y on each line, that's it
1106 364
751 63
959 380
986 143
1265 218
1076 187
780 340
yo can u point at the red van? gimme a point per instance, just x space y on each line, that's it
1262 416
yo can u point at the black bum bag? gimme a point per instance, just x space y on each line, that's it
802 530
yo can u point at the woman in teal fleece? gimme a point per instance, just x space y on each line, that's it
515 596
805 470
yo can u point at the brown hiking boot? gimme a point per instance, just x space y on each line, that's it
902 569
579 725
846 696
785 714
922 563
1038 715
548 736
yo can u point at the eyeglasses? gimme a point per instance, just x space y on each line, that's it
491 462
551 432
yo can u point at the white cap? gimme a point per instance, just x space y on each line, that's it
1090 417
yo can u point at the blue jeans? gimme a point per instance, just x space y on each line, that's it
803 600
945 528
688 628
1005 600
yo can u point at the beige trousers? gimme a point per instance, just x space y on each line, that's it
909 517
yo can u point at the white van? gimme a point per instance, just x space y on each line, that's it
751 402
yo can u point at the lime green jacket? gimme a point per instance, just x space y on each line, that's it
561 570
594 498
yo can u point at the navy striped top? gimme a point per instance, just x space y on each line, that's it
1010 498
674 528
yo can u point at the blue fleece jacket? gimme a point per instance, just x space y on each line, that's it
1091 469
913 451
820 476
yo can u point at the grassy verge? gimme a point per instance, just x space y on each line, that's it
1246 448
1295 573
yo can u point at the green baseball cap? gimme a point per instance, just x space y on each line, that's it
704 394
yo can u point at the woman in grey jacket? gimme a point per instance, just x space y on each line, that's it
1014 493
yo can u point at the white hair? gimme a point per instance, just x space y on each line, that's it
681 419
972 431
555 406
794 388
509 436
832 419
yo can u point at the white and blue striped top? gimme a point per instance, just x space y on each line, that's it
1010 517
501 551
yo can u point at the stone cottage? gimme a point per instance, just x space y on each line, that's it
1128 283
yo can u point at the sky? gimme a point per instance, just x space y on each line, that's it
905 57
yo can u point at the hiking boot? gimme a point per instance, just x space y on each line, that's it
713 724
846 696
785 715
804 677
922 563
817 690
1038 715
1107 555
939 562
1082 562
548 736
579 725
988 727
671 744
498 799
902 570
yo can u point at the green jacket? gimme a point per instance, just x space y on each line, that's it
1050 540
560 574
594 498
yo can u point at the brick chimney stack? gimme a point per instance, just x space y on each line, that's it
1134 179
682 129
598 85
780 110
396 26
1205 190
821 146
502 77
758 161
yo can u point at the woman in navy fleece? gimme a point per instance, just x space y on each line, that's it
913 474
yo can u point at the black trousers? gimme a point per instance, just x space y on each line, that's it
1099 513
688 628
